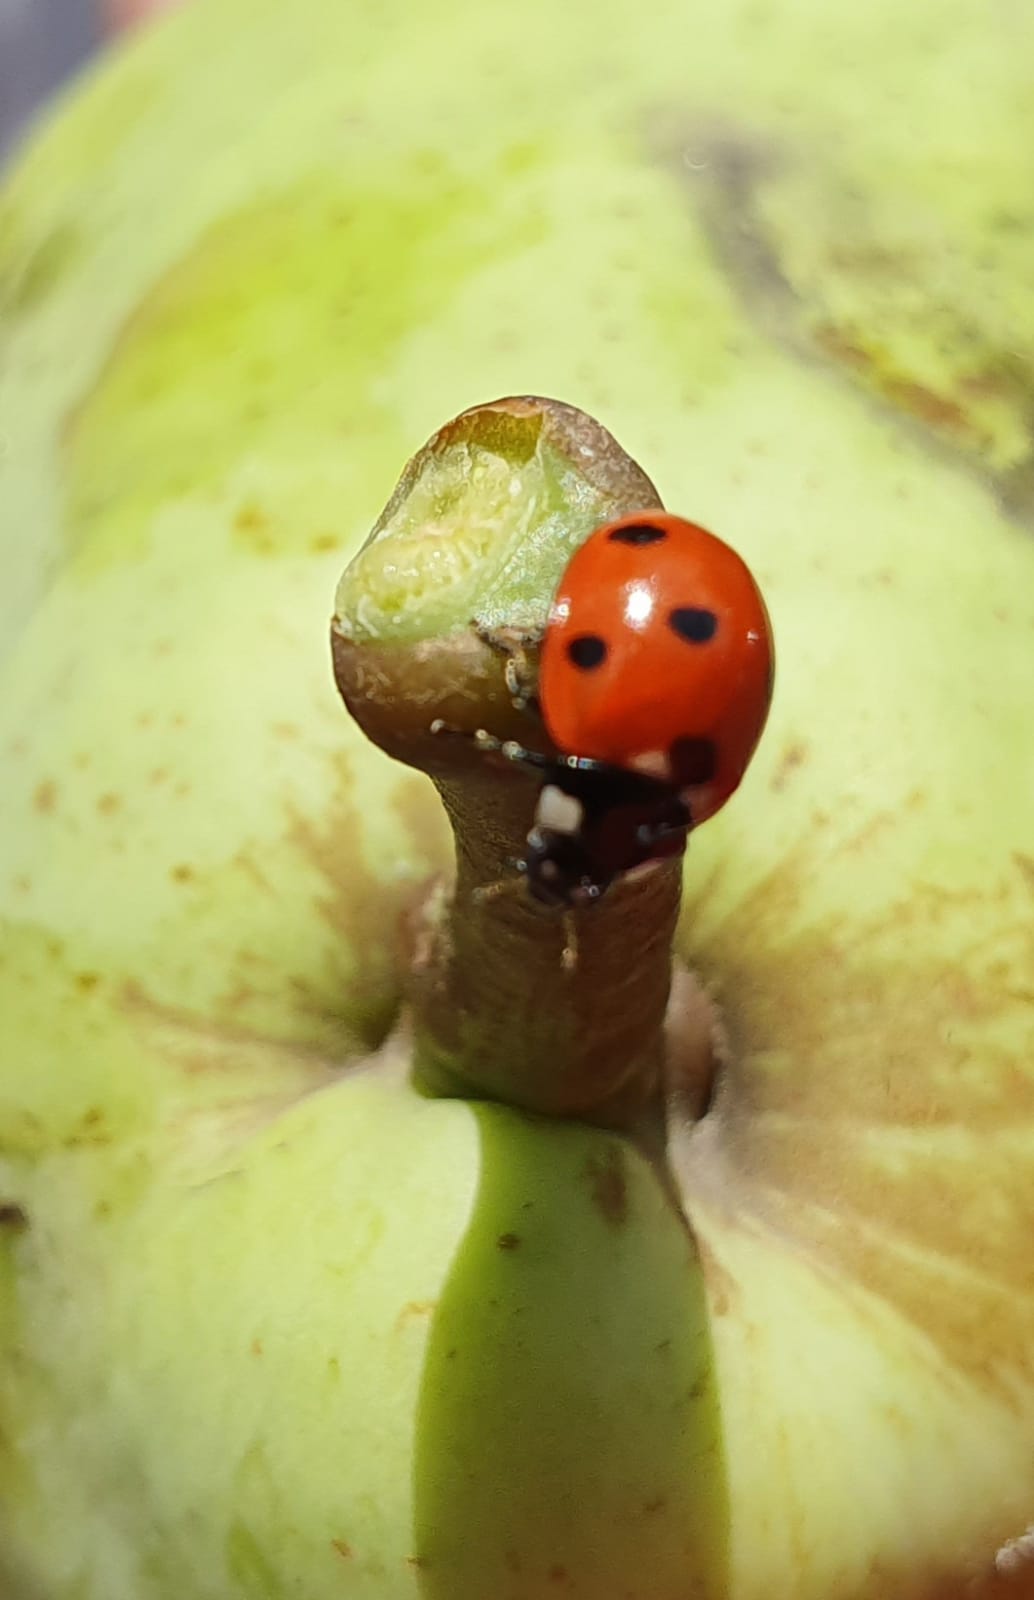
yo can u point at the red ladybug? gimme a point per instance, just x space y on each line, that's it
654 683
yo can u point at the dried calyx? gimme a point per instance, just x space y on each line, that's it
474 540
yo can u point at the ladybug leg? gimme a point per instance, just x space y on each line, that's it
515 646
668 824
524 697
507 641
519 755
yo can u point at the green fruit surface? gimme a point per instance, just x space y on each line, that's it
272 1325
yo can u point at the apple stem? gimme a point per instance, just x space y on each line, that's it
559 1013
501 1013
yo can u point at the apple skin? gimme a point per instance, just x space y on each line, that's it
782 252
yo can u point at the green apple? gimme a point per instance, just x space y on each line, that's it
265 1330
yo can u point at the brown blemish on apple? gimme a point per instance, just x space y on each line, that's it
202 1044
256 531
35 265
245 862
44 798
13 1217
509 1241
871 1107
109 803
940 411
729 183
182 873
89 1131
723 1291
791 757
1025 864
414 1311
608 1185
249 517
795 1518
343 1548
238 995
362 907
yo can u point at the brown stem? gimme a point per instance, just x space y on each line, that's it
500 1013
496 502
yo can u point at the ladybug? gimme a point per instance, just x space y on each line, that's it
654 682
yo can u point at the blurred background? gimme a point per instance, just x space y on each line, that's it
41 44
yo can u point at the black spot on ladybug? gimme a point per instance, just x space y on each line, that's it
587 651
693 761
693 624
638 533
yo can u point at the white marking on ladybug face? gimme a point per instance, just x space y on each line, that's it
653 763
557 811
